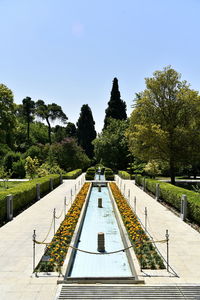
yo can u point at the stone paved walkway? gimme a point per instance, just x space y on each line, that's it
16 280
16 248
184 241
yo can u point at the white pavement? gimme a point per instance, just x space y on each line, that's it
16 247
184 241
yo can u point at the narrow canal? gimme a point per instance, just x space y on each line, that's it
100 220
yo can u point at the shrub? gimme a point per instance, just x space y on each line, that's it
172 195
109 175
90 173
73 174
124 175
25 193
19 169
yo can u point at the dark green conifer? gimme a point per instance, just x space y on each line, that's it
86 131
116 106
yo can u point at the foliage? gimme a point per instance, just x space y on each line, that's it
71 130
69 155
47 169
5 175
172 195
50 112
124 175
111 147
73 174
18 168
27 112
31 167
116 107
86 130
109 175
59 245
165 120
152 168
8 162
144 249
25 194
7 116
90 173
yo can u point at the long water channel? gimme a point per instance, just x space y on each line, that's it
100 220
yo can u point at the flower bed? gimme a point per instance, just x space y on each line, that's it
56 251
144 249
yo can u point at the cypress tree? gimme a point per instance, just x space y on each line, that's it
116 106
86 131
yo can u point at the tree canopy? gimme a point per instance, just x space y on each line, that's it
164 120
86 130
116 106
50 112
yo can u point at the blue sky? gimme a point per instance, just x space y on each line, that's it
69 51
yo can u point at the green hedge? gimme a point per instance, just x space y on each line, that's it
73 174
172 194
25 193
90 173
109 175
124 175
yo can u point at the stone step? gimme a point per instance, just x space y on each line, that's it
129 292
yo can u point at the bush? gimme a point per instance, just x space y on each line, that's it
10 158
19 169
25 193
90 173
73 174
124 175
109 175
172 194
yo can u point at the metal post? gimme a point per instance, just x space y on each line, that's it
135 204
54 221
34 238
167 240
157 191
145 212
75 190
129 193
124 189
65 204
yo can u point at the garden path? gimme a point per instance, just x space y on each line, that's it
184 241
16 247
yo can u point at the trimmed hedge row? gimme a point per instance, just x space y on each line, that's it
73 174
124 175
172 195
109 175
90 173
25 193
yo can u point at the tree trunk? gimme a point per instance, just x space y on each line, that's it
49 130
172 171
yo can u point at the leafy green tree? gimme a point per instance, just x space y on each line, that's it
86 131
7 116
162 120
50 112
71 130
116 106
152 168
110 147
31 167
69 156
28 110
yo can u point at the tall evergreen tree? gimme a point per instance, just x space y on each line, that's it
86 131
116 106
28 110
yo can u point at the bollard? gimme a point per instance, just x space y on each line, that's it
37 191
54 221
145 213
34 238
129 195
183 213
135 204
101 242
61 179
99 188
124 189
9 204
51 184
100 202
157 191
167 240
65 205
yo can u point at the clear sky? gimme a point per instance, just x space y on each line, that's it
69 51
